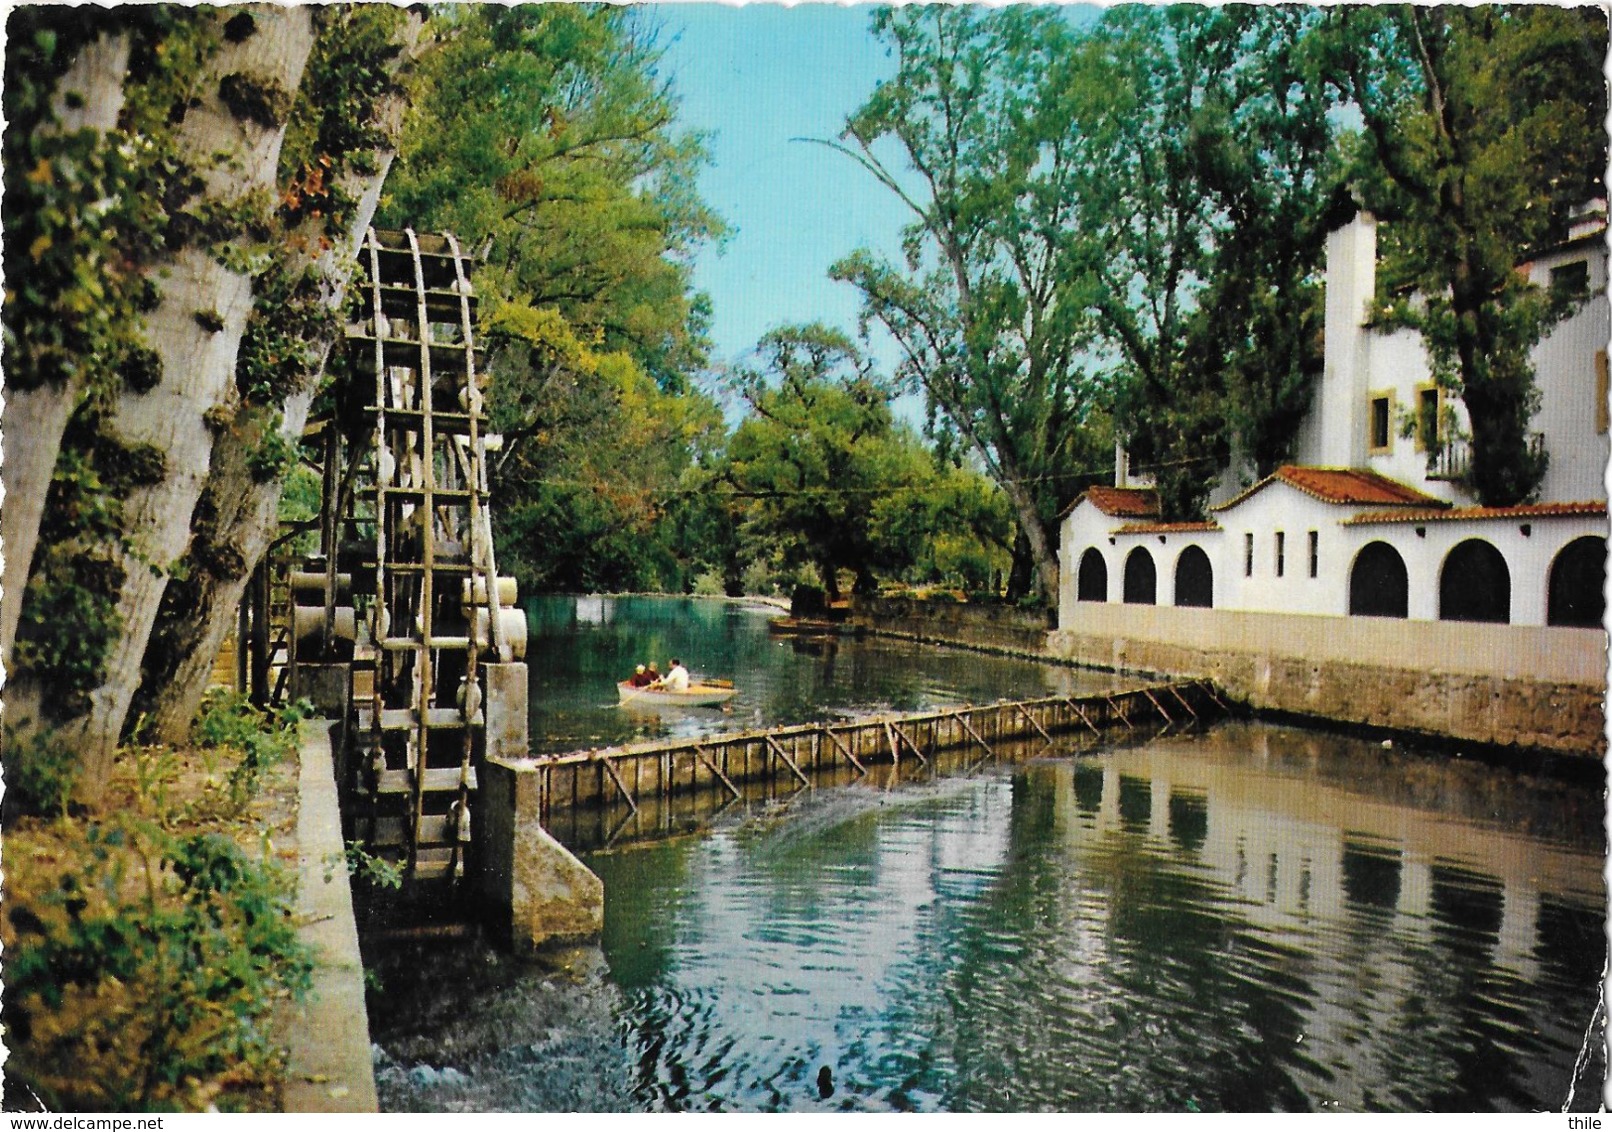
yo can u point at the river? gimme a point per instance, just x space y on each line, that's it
1255 917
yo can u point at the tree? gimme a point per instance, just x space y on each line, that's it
824 474
136 321
985 309
1207 166
542 134
1482 127
340 139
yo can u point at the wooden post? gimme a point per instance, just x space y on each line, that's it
781 753
710 764
1151 699
896 732
846 751
1024 711
1177 694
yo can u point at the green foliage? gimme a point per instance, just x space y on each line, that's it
263 102
542 133
334 126
261 739
150 962
83 210
821 473
365 867
1211 128
986 306
40 771
273 456
709 584
1482 127
69 616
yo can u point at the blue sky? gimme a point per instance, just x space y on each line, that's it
755 77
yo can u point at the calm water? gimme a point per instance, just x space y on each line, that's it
581 646
1254 918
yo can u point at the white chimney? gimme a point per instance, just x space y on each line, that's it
1345 382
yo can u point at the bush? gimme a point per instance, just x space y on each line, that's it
145 967
709 584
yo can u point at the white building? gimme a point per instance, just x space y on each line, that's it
1368 522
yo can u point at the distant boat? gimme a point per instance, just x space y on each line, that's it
705 694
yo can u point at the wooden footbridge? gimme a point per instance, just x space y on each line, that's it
797 756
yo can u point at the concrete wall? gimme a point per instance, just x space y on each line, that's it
1511 685
1568 413
550 897
995 627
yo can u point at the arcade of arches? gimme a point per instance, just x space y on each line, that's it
1474 582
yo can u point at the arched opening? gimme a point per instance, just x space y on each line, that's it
1577 579
1378 584
1194 579
1141 581
1474 584
1091 584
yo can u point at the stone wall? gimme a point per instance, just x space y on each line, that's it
994 628
1510 685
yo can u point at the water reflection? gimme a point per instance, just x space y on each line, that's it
1252 919
580 647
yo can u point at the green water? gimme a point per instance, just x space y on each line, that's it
1252 918
581 646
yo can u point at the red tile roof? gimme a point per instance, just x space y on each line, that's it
1342 485
1166 528
1120 502
1521 511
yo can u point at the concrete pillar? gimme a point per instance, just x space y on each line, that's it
506 711
327 685
548 896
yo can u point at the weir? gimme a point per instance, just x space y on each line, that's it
525 801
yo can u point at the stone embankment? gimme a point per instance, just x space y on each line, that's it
1530 688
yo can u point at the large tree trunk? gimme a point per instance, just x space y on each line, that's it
236 518
34 419
1042 552
196 331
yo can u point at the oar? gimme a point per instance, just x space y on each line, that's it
630 696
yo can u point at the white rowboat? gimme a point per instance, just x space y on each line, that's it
697 695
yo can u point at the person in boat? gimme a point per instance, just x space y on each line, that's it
653 673
640 678
676 678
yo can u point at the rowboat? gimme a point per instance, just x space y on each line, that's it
697 695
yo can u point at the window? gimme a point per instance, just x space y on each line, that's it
1474 584
1315 553
1570 280
1602 411
1140 578
1382 435
1427 418
1281 552
1091 584
1248 555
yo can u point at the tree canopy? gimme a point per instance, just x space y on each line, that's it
984 307
1482 128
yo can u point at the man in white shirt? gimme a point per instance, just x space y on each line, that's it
676 678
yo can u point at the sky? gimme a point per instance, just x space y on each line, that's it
755 77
